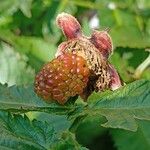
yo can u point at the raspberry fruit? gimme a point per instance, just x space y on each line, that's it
81 65
63 77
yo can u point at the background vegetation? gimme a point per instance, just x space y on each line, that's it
29 38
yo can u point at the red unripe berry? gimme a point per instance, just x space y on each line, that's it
63 77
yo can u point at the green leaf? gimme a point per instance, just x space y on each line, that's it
25 7
18 132
140 139
60 122
23 99
13 67
89 129
31 46
66 142
37 47
122 107
121 23
148 26
8 7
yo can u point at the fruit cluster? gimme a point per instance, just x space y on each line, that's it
81 65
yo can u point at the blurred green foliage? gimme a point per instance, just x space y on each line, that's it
29 37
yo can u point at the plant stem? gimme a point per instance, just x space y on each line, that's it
142 67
